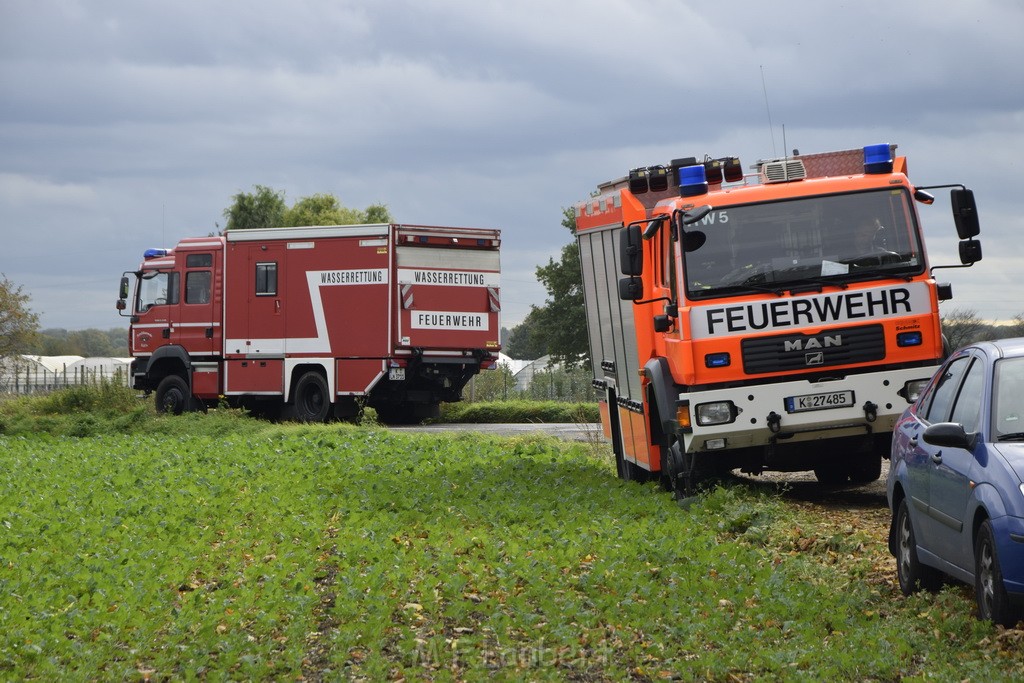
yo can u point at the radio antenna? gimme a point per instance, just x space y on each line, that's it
771 128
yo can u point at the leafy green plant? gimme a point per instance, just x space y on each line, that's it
520 411
217 546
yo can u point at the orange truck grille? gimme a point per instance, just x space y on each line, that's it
797 352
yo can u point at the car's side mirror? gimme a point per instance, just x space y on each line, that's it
949 435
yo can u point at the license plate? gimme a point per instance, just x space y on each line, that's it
824 401
396 374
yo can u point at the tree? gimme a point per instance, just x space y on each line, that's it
378 213
963 326
525 340
561 322
18 325
263 208
321 209
266 208
1016 328
89 342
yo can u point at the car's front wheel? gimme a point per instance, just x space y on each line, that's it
912 575
993 602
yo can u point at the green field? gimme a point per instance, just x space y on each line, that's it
342 552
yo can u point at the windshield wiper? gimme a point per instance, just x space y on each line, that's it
830 282
862 276
738 288
1013 436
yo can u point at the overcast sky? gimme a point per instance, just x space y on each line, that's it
127 125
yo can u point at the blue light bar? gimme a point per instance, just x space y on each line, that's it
692 181
877 159
153 253
909 339
717 360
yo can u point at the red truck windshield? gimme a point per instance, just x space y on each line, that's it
808 240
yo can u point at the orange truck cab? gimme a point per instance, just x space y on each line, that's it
781 320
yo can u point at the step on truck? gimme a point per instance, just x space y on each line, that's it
777 320
309 323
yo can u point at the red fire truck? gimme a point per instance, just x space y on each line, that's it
780 321
307 322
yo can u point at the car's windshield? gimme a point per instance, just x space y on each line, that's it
810 240
1008 398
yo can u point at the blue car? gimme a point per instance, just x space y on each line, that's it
955 480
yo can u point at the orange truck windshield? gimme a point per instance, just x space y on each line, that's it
804 241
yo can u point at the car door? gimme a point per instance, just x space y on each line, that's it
950 474
924 458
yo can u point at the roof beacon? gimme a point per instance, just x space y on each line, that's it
877 159
692 181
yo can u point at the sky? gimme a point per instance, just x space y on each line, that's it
131 124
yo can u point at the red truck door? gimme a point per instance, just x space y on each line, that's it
196 317
448 290
254 301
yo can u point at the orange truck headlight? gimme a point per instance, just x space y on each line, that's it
716 413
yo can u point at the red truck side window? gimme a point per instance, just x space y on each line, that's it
197 287
266 279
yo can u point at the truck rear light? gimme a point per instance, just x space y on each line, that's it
716 413
909 339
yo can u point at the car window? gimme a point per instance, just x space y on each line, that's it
967 409
945 390
1008 412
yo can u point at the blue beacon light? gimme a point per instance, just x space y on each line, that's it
154 253
878 159
692 181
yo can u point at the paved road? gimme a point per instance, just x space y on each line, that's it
567 430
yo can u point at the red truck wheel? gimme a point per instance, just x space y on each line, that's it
311 401
174 396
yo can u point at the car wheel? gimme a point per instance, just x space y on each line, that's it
993 602
912 575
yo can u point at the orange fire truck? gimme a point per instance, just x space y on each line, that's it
778 321
307 322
